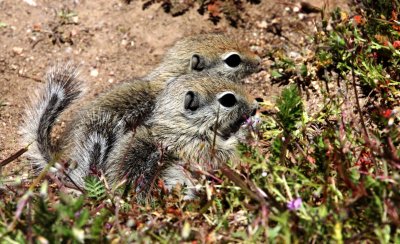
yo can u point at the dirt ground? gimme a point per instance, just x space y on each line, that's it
114 41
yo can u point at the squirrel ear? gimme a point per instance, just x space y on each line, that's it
192 101
197 62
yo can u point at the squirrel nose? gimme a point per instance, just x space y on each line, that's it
253 112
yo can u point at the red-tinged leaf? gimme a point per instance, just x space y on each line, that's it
394 15
174 211
358 19
383 40
364 162
396 44
387 113
311 159
392 212
396 27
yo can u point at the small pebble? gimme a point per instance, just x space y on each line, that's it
94 72
68 49
37 27
17 50
294 55
31 2
75 19
74 32
262 24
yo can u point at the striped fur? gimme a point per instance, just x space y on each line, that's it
91 143
62 88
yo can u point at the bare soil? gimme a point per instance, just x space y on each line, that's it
114 41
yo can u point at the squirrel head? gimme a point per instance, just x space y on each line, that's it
199 118
215 54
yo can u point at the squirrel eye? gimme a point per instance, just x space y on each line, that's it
227 100
233 60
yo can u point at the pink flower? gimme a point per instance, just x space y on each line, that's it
294 204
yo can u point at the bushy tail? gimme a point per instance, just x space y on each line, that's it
62 88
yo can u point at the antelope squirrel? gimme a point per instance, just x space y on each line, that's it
194 120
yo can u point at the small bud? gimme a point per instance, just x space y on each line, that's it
185 230
43 188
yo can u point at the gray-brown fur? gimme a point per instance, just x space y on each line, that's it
176 136
128 123
62 88
95 129
207 53
180 130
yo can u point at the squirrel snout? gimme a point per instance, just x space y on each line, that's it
254 108
253 112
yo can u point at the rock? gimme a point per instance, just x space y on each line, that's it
262 24
31 2
17 50
37 27
75 19
94 72
74 32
